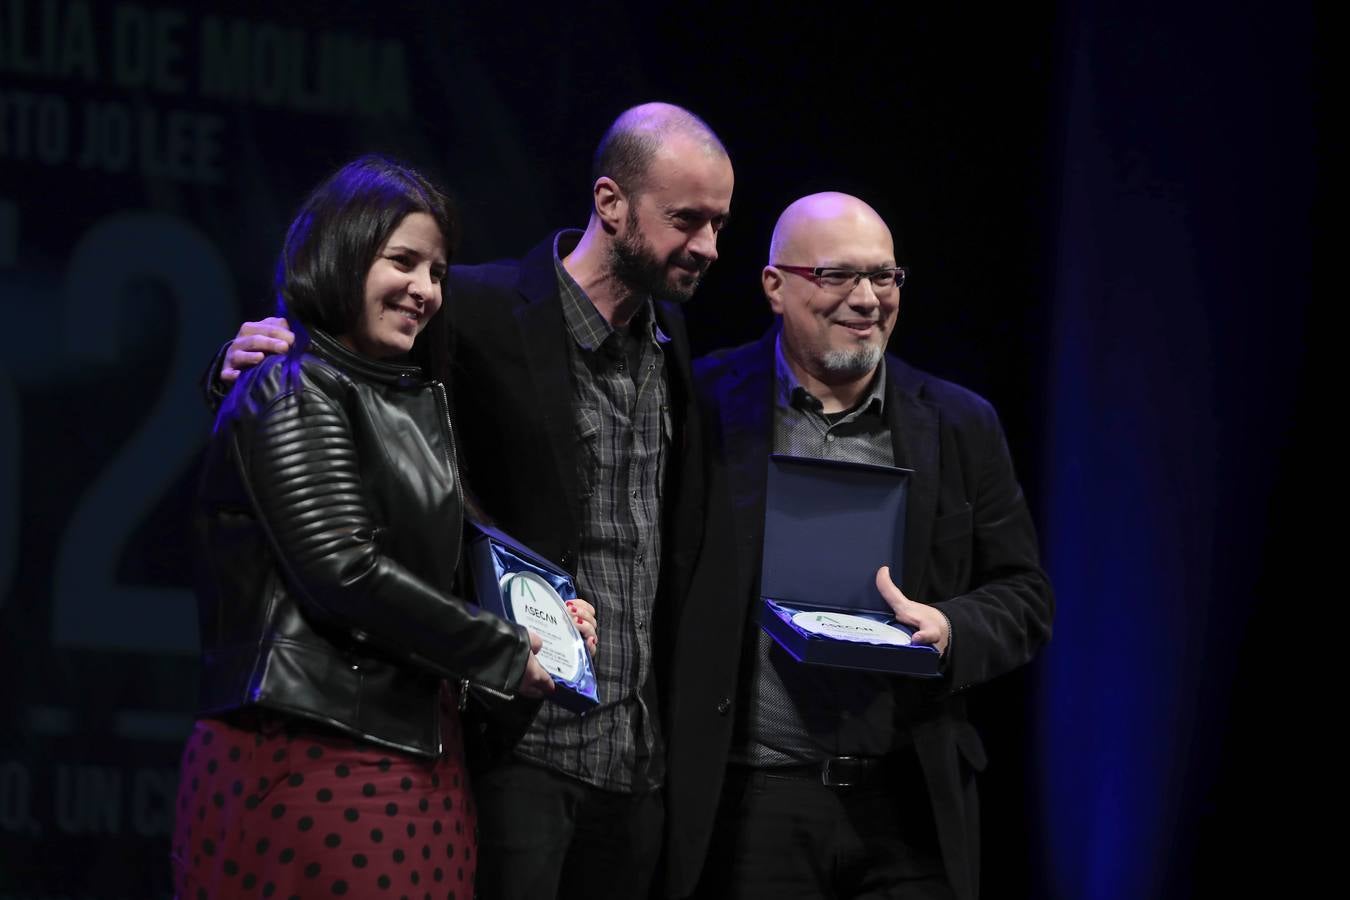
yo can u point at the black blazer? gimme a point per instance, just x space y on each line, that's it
512 397
970 548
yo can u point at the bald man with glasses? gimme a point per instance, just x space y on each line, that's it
836 782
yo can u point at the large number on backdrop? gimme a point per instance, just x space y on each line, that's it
90 609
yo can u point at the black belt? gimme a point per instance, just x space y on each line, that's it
842 771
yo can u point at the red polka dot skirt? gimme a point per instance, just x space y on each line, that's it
288 810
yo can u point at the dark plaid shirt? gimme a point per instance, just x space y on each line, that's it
802 713
622 429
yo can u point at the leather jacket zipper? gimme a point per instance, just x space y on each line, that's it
454 461
463 699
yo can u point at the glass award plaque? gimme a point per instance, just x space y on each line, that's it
847 627
828 526
535 604
522 587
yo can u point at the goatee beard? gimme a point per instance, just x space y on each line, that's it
851 363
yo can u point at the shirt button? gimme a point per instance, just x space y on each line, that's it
829 437
639 559
635 495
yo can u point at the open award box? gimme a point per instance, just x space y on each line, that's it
521 586
828 527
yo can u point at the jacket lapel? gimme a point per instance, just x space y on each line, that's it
678 378
544 335
914 438
684 486
747 423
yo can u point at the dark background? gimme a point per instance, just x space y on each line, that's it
1108 209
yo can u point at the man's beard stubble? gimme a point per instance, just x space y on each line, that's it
633 265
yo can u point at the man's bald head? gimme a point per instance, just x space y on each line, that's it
835 324
809 221
631 144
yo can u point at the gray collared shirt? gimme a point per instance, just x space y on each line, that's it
622 428
800 713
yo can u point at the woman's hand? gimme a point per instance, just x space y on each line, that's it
535 682
583 614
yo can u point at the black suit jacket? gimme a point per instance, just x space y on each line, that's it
970 548
511 390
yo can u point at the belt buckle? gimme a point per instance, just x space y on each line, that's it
828 776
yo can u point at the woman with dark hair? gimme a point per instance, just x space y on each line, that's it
328 759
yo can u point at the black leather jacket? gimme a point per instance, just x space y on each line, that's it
331 515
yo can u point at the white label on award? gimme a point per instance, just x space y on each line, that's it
850 628
537 606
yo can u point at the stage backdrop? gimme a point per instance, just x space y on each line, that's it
152 153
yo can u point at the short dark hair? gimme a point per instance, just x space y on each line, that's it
333 241
628 146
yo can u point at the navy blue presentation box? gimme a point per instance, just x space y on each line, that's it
828 527
493 555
